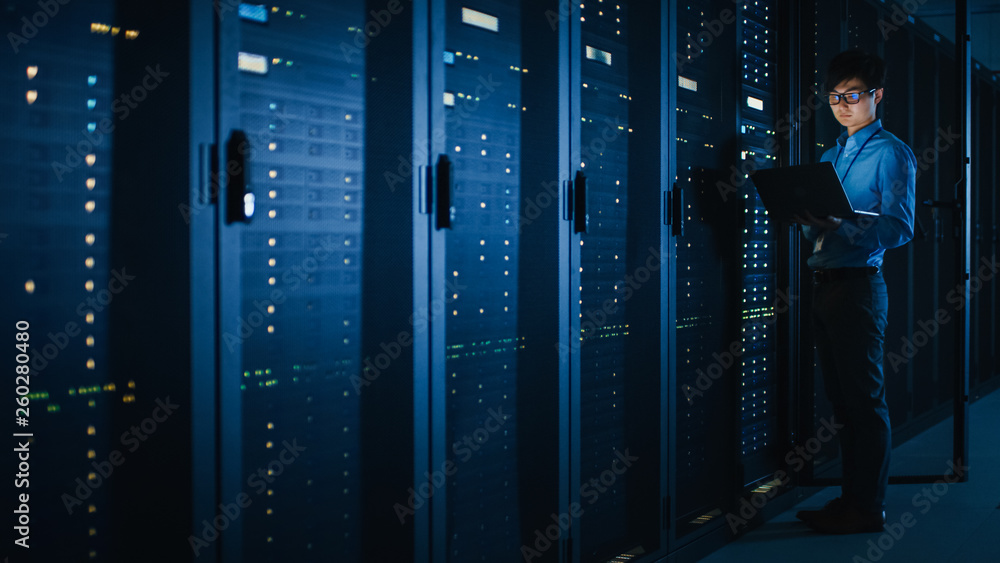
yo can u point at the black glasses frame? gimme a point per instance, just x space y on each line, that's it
834 98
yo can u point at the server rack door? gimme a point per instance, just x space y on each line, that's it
946 167
708 223
828 40
898 118
55 147
928 226
617 256
982 111
987 215
484 112
294 140
761 447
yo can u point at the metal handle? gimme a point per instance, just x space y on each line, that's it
443 186
678 211
240 199
580 217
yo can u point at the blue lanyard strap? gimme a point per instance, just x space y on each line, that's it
855 156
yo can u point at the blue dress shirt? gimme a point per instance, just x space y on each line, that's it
882 179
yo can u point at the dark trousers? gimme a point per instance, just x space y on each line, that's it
849 318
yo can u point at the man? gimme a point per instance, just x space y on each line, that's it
850 303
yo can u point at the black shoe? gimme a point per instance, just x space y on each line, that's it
833 507
849 520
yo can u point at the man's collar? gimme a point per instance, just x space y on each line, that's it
863 134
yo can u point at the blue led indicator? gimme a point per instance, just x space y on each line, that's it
253 12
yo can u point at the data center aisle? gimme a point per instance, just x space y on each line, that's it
961 526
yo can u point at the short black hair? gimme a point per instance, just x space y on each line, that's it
866 67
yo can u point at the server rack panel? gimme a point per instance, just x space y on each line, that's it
949 187
759 389
481 257
897 117
619 271
827 38
982 206
988 201
483 102
927 224
56 149
708 279
862 25
295 80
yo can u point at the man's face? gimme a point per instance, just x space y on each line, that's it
854 116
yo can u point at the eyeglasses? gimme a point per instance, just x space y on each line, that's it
850 97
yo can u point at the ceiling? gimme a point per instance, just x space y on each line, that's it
940 14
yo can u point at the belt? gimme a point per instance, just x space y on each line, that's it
839 274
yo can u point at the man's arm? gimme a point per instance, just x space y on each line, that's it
896 178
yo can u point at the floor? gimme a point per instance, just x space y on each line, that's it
940 523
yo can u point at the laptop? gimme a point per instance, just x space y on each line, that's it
815 188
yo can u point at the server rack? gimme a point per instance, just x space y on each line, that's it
616 265
61 109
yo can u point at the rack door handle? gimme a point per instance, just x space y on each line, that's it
581 219
442 198
240 200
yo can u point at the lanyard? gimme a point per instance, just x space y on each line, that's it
855 156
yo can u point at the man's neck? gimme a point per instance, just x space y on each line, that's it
855 129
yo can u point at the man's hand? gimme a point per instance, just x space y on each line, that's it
830 223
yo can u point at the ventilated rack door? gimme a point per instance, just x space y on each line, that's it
760 403
293 84
482 128
60 109
616 217
485 111
709 273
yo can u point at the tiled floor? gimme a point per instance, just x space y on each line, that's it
957 523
